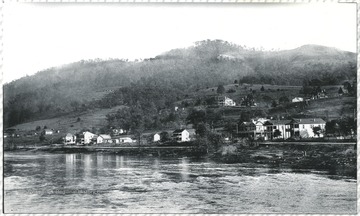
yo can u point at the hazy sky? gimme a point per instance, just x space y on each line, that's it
42 35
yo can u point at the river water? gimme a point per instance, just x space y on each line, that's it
109 183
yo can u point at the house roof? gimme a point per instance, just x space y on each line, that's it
178 130
308 121
124 136
277 122
69 135
247 124
190 130
105 136
48 130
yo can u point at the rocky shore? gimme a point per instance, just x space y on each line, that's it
335 159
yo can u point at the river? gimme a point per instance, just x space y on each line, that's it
110 183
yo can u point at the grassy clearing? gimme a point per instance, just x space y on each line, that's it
69 123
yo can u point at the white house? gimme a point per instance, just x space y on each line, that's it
103 138
48 132
181 135
225 101
88 136
156 137
297 99
69 139
125 139
256 129
282 126
304 128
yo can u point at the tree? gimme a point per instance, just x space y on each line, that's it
347 86
164 136
38 128
347 126
317 130
245 116
331 127
196 117
42 137
262 88
284 99
274 103
202 129
220 89
277 133
340 92
230 127
235 81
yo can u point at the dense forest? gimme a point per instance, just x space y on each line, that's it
154 84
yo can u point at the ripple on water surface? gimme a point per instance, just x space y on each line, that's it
101 183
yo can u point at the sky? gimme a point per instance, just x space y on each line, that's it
37 36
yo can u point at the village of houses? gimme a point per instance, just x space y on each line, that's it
262 129
256 129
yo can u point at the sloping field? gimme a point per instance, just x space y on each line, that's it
70 123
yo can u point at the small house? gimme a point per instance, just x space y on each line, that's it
304 128
297 99
225 101
88 136
103 138
69 139
181 135
156 137
48 132
278 129
125 139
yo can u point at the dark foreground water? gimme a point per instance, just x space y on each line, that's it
108 183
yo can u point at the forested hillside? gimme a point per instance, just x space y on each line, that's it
167 78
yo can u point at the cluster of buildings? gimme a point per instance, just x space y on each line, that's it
88 138
269 129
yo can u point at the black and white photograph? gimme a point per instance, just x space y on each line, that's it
188 108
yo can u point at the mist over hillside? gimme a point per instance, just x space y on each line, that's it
168 77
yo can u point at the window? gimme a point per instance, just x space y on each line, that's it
296 126
303 126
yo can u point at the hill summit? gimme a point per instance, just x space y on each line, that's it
169 76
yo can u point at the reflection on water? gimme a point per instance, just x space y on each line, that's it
109 183
184 170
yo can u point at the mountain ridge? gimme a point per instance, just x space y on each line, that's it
85 84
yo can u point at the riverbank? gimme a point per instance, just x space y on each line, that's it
337 159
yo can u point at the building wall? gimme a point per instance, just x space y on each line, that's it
306 130
126 140
284 129
88 137
185 136
99 140
156 137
